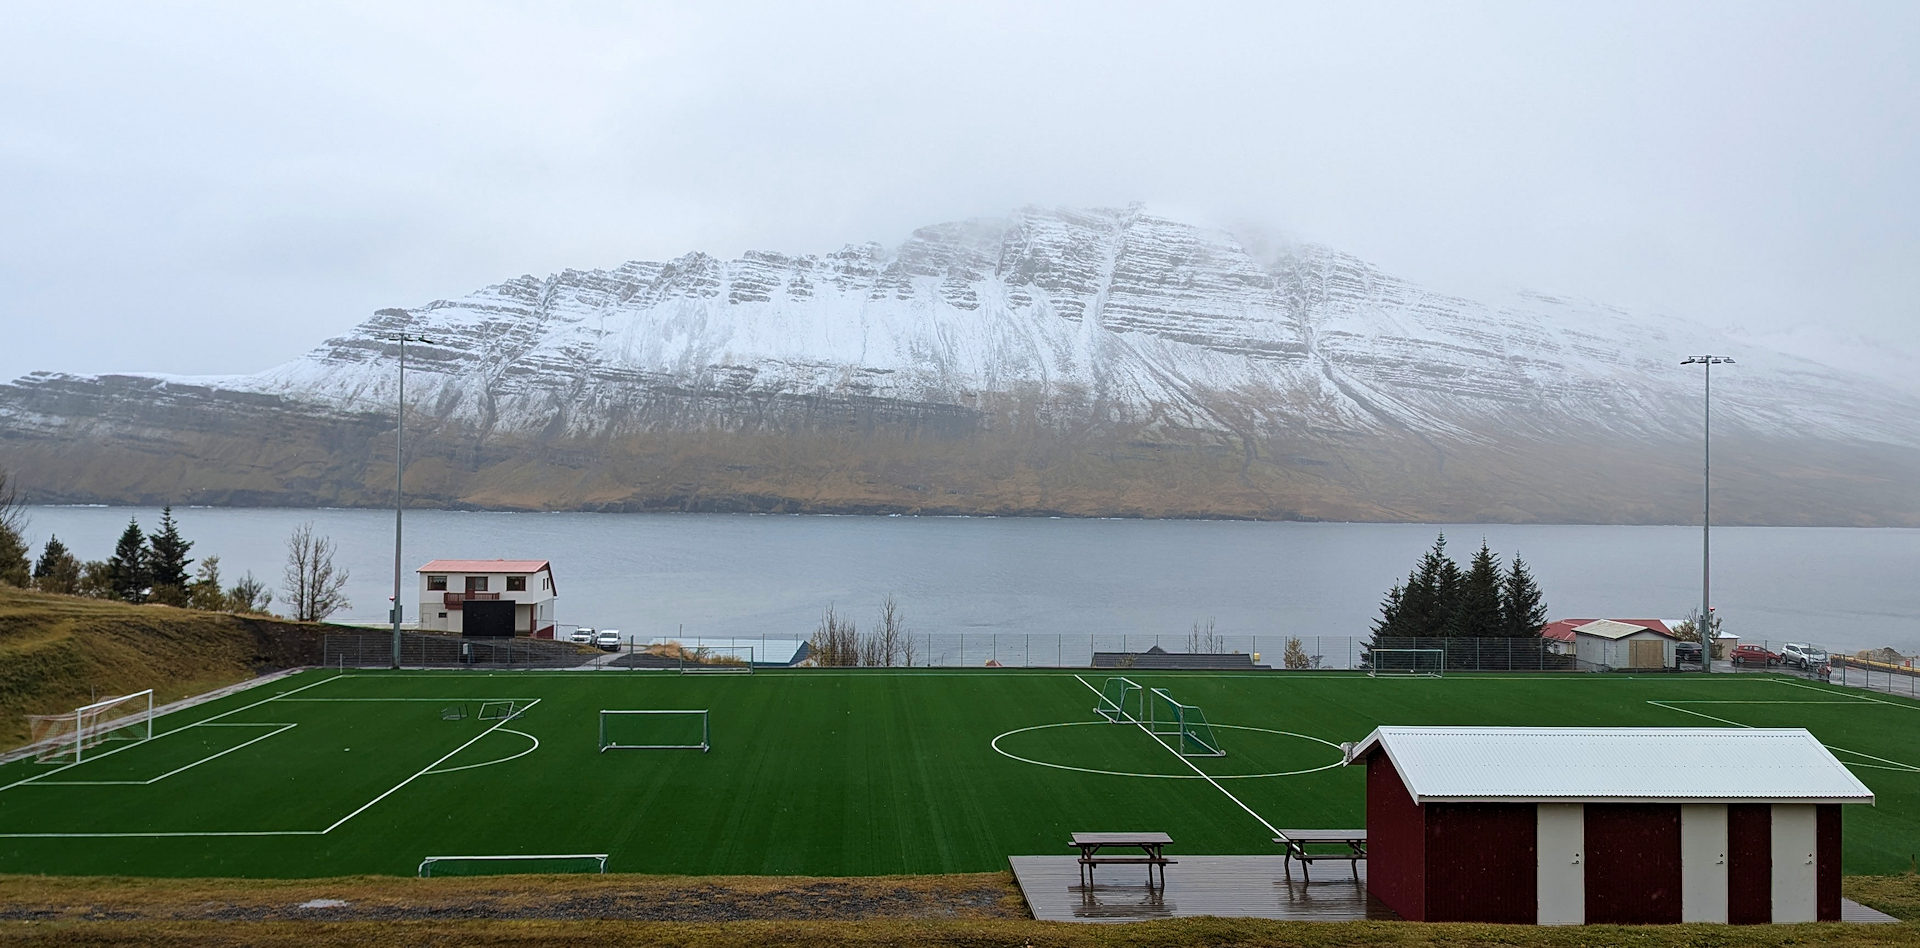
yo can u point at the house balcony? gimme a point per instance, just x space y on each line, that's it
453 599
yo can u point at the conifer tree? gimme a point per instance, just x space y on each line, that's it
205 592
167 559
127 577
1431 594
1523 612
1477 610
57 571
1390 624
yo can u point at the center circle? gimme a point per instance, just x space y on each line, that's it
1339 754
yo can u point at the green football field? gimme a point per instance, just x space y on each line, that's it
819 772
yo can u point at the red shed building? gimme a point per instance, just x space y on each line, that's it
1604 825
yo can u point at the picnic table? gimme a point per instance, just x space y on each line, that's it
1149 844
1297 840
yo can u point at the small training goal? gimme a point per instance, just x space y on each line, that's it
505 710
1121 701
511 864
717 659
654 730
1419 662
1186 724
78 734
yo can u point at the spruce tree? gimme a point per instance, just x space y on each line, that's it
127 577
1521 608
1477 610
167 559
1432 593
1389 625
57 571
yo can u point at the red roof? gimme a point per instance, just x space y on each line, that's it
484 566
1562 630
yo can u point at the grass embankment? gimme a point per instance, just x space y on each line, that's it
60 652
962 910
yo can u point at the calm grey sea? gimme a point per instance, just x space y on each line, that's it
1067 580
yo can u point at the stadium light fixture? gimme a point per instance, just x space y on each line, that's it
1703 626
399 479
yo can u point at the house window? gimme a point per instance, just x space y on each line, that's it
476 584
436 584
443 615
516 584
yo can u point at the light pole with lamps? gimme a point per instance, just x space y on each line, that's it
1704 624
399 473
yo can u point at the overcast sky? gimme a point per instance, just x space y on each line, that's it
213 188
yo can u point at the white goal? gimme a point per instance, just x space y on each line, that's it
1121 701
511 865
654 730
70 737
1421 662
717 659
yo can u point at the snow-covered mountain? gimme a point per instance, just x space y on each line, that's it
1080 328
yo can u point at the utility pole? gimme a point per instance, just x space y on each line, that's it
1704 624
399 480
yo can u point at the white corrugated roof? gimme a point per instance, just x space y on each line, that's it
1620 764
1609 629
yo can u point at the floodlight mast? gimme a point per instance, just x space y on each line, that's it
399 476
1703 626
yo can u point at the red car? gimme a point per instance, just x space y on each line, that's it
1755 655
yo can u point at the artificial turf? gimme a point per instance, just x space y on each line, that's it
820 772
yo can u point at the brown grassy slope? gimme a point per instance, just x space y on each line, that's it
59 652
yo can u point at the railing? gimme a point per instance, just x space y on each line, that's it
453 600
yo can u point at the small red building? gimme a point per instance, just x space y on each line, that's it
1604 825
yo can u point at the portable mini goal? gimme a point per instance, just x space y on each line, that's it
717 660
500 710
1121 701
654 730
1418 662
67 738
1185 723
511 864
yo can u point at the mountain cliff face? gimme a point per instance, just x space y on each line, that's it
1101 362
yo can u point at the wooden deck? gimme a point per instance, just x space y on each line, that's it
1228 886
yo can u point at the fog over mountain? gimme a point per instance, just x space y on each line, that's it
1076 361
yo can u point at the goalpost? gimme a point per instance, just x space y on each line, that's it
717 659
1117 696
66 738
1185 723
1422 662
509 865
654 730
500 710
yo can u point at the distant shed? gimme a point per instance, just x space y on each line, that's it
1605 825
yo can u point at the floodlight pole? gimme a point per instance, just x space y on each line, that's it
1703 626
399 475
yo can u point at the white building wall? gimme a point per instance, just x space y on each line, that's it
1703 862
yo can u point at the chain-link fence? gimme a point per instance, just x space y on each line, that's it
375 650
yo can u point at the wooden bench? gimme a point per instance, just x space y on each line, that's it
1297 840
1149 844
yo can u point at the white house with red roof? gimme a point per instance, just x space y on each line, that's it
447 586
1613 643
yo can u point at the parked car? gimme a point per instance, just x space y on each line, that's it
608 639
1802 655
1687 652
582 636
1750 654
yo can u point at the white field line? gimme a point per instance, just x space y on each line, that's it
1183 759
396 787
389 700
278 728
489 763
201 723
1864 699
1885 763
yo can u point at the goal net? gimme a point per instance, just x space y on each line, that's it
77 734
654 730
1425 662
717 659
1121 701
511 865
501 710
1185 724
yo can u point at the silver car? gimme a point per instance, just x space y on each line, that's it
1802 655
608 639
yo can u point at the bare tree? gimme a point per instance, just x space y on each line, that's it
314 587
15 568
1206 640
893 642
1296 655
836 642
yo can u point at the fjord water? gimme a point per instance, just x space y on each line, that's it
744 575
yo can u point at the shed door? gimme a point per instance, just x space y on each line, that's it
1562 873
1646 653
1633 863
1794 861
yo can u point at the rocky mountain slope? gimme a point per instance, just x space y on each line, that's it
1100 362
